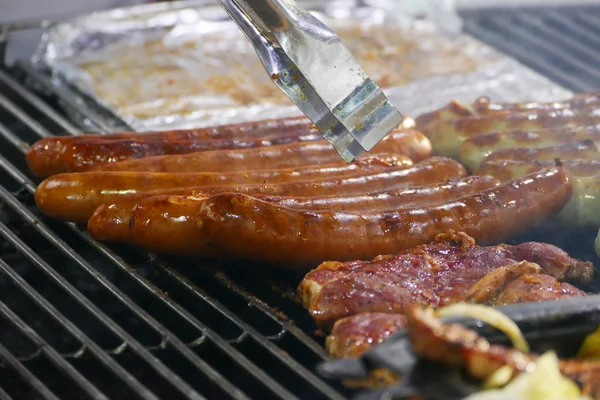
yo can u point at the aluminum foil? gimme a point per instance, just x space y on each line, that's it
185 64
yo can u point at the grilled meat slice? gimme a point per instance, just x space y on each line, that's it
517 283
435 274
463 348
352 336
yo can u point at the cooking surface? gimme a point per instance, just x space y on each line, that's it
81 318
560 42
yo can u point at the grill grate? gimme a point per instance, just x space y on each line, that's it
559 42
87 320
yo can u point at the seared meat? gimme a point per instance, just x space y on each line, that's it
352 336
460 347
435 274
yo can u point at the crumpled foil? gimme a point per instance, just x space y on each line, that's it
185 64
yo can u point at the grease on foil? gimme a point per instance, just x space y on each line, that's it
184 64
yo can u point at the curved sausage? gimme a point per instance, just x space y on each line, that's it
506 170
474 149
111 220
484 105
585 150
240 226
409 142
230 131
167 224
46 158
583 209
76 195
451 111
447 135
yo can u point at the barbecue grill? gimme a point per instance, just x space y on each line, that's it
82 319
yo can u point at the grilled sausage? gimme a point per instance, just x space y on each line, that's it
474 149
167 224
46 160
484 105
584 150
111 220
447 135
410 142
506 170
44 156
268 127
76 195
240 226
583 209
452 111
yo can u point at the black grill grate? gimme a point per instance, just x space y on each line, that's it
562 43
85 320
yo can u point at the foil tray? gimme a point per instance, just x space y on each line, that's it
185 64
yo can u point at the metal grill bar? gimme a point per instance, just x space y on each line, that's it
10 237
561 43
289 362
39 387
39 104
167 336
308 376
56 359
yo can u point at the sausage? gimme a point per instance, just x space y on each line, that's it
74 196
167 224
484 105
585 149
474 149
111 220
506 170
46 158
274 127
451 111
409 142
241 227
583 209
447 135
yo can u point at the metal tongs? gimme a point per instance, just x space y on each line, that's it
317 72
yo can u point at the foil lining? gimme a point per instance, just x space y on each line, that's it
185 64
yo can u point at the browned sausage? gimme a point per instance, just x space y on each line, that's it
410 142
585 149
75 196
46 158
506 170
167 224
111 220
230 131
484 105
474 149
240 226
447 135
